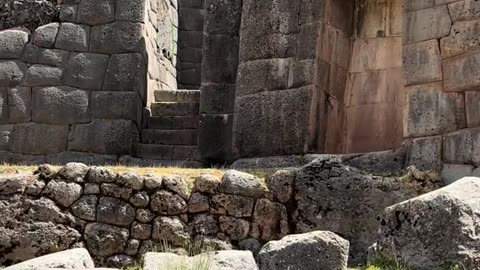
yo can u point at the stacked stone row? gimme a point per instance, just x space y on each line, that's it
441 55
78 83
118 217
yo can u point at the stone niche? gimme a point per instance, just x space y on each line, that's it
331 83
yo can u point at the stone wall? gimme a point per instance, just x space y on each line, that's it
275 90
440 70
76 87
118 217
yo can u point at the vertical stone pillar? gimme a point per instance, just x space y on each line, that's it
279 79
219 73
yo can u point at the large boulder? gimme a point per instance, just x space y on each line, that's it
436 230
220 260
332 196
74 258
27 229
320 250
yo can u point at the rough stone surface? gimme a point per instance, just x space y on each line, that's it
281 184
414 225
115 211
239 183
86 70
206 183
331 196
86 208
236 206
270 221
73 258
93 12
309 251
12 43
63 192
102 136
171 229
11 73
117 37
45 35
57 138
60 105
40 75
164 202
124 72
105 240
73 37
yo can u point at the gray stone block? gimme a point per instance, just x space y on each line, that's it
215 137
191 19
117 37
116 105
86 70
40 139
94 12
191 77
191 4
190 55
262 75
102 136
124 72
68 13
220 59
45 35
49 57
12 43
73 37
5 137
267 46
454 172
223 17
426 153
133 11
19 104
39 75
217 98
266 113
190 39
11 73
426 24
60 105
432 111
462 147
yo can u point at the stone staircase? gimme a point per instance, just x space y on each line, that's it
171 133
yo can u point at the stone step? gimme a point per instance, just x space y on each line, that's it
183 96
173 122
166 152
170 137
174 109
